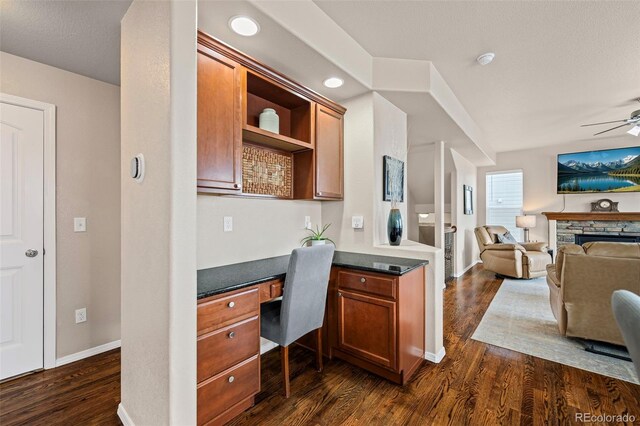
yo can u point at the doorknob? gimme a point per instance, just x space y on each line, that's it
31 253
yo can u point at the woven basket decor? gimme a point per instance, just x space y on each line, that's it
267 172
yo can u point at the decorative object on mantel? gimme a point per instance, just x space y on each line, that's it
269 120
468 199
604 205
267 172
393 190
526 222
316 237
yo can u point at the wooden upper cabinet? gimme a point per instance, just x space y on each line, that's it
233 90
329 153
219 122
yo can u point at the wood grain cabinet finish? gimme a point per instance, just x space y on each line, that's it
228 366
233 89
329 167
376 321
219 122
367 327
220 395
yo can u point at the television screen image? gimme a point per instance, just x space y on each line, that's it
609 170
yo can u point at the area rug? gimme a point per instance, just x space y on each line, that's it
520 318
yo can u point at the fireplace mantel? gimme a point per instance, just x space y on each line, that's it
617 216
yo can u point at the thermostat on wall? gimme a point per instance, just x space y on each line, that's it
137 168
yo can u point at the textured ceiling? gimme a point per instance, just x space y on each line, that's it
558 64
77 36
276 47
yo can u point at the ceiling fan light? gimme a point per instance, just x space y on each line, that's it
635 131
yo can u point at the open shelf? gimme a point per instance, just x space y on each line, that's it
294 114
273 140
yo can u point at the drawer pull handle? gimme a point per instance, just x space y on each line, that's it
231 379
232 334
339 294
231 304
363 280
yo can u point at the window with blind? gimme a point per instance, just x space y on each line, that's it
504 200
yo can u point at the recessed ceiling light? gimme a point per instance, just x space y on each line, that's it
244 26
486 58
333 82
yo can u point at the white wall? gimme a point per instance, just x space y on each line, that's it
87 185
158 74
420 185
358 178
466 250
539 166
390 138
261 228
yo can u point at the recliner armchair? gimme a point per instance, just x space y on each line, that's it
521 260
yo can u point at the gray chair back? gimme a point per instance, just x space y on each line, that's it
626 309
305 292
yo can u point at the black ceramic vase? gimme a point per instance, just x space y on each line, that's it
394 227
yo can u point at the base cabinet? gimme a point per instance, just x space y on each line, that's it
358 316
378 321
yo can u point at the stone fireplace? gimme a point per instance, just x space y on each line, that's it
579 228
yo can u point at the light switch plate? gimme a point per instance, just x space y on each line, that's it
79 224
307 222
357 222
228 224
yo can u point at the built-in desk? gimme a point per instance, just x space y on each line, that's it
374 319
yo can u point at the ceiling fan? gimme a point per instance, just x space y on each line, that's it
634 121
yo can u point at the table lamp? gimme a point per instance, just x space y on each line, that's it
526 222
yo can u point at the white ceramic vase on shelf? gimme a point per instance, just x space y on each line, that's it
269 120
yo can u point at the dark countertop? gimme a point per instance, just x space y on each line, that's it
221 279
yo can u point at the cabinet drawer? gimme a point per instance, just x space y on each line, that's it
276 289
228 388
227 346
226 310
367 283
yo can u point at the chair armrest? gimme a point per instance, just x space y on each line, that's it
505 246
538 246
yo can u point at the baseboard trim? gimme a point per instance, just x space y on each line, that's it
474 263
435 358
124 416
87 353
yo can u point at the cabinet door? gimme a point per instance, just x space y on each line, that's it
219 122
367 328
329 155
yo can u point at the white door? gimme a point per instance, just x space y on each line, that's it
21 239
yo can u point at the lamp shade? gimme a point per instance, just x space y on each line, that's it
526 221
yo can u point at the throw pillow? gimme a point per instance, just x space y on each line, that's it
507 238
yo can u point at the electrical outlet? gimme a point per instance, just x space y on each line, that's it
357 222
228 224
79 224
307 222
81 315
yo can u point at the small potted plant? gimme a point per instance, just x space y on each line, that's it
317 237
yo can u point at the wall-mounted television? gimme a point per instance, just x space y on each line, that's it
609 170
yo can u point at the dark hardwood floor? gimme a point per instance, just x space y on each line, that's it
476 383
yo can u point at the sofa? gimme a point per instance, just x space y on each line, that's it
581 283
518 260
